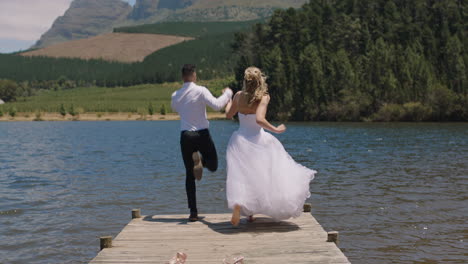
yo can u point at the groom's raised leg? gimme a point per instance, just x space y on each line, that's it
208 151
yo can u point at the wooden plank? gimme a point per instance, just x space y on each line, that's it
156 239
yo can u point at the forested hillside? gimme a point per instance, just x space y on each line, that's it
363 60
188 29
211 51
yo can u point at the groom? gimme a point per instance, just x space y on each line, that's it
190 102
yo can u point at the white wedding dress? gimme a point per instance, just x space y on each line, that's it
261 176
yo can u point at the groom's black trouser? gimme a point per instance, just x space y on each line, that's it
190 142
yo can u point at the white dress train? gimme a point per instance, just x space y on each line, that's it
261 176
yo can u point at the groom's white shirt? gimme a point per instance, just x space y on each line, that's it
190 102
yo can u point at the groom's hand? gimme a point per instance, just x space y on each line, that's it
227 89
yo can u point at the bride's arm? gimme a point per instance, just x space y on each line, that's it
231 108
261 120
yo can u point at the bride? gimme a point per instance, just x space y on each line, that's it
262 178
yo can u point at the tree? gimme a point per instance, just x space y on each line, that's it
62 110
277 84
442 101
456 72
150 109
8 90
72 111
162 111
312 82
12 112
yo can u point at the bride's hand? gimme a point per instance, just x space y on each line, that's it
281 129
226 89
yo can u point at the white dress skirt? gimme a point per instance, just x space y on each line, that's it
261 176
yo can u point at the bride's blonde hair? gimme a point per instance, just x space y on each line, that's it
255 86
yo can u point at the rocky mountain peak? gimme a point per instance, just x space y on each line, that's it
88 18
85 18
144 9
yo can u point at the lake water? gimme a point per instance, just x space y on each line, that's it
396 192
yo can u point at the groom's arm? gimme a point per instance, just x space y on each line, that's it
173 103
216 103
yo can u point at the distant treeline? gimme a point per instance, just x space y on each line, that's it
211 51
347 60
188 29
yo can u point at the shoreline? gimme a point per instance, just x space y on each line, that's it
29 117
127 116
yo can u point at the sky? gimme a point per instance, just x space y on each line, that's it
22 22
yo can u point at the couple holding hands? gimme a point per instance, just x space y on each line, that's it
262 178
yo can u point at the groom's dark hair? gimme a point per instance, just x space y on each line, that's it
188 69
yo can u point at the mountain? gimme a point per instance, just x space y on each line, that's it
207 10
87 18
144 9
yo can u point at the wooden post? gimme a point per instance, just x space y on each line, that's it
106 242
333 237
136 213
307 208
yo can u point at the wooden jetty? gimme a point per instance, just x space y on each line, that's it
156 239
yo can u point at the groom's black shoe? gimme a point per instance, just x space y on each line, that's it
193 217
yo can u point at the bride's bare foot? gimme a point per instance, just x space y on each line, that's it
236 215
251 219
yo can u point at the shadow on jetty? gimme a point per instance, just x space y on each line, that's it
261 225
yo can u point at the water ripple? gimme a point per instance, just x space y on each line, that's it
396 192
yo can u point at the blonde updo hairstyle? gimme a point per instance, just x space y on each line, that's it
255 86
